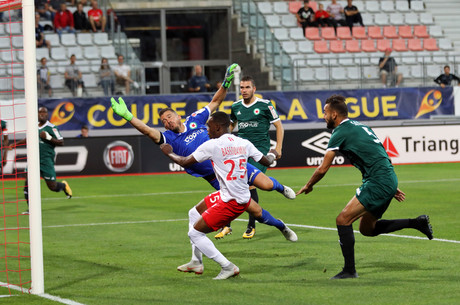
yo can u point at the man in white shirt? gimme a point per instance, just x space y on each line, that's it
229 155
123 75
336 11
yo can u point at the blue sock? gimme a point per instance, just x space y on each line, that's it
268 219
276 185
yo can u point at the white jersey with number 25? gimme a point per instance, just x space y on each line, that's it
229 155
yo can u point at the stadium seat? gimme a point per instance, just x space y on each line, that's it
387 6
314 60
405 31
58 54
2 29
373 6
53 39
381 19
436 31
370 72
361 58
417 6
420 31
296 34
89 80
352 46
338 73
273 21
330 59
20 55
415 44
424 57
312 33
430 44
281 33
445 44
440 58
374 32
433 71
5 83
411 19
426 18
389 31
91 52
77 51
294 6
265 8
404 70
353 73
61 65
359 32
336 46
368 45
5 43
346 59
17 42
307 74
85 39
13 28
84 66
322 74
108 51
320 46
280 7
402 6
328 33
383 44
68 40
305 46
399 45
101 39
416 71
343 32
289 21
368 19
410 58
289 46
42 52
18 82
397 19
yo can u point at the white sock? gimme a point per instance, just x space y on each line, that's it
193 217
205 245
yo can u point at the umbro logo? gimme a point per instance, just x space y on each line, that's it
318 143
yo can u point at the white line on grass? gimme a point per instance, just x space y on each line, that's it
44 295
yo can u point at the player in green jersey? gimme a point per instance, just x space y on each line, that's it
4 143
49 138
254 116
380 184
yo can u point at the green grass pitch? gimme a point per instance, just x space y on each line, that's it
120 239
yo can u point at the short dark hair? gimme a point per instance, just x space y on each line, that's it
446 66
165 110
337 102
248 79
85 127
221 118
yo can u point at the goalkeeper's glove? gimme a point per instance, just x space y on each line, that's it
121 109
229 75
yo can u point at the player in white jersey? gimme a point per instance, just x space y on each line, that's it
229 155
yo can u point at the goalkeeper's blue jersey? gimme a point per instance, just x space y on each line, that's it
185 143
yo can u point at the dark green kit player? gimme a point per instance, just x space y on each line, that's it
49 138
253 116
380 184
4 143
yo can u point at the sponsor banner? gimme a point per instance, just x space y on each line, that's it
421 144
293 107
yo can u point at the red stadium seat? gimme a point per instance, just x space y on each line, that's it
313 5
312 33
359 32
374 32
294 6
405 31
368 45
420 31
430 44
399 45
320 46
343 32
415 44
328 33
352 46
336 46
383 44
389 31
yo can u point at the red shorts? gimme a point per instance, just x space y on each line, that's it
220 213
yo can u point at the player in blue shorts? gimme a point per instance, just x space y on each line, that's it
186 137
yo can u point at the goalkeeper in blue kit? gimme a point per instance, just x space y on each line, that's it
380 184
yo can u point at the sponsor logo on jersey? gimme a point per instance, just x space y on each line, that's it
118 156
193 136
256 111
193 125
243 125
390 148
273 112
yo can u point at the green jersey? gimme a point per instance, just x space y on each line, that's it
254 121
47 152
362 147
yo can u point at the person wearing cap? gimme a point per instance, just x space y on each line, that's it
388 67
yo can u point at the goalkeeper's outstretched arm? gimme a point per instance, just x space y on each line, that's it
222 92
121 109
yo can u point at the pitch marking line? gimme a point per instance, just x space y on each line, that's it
44 295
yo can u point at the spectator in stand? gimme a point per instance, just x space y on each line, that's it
198 82
63 20
84 132
96 17
43 78
336 11
123 75
106 75
323 18
40 41
45 9
388 66
80 20
352 14
306 16
73 77
446 79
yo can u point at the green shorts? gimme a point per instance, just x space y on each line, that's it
262 168
47 171
376 193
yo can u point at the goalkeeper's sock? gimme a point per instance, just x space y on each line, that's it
268 219
193 217
205 245
276 185
386 226
347 243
